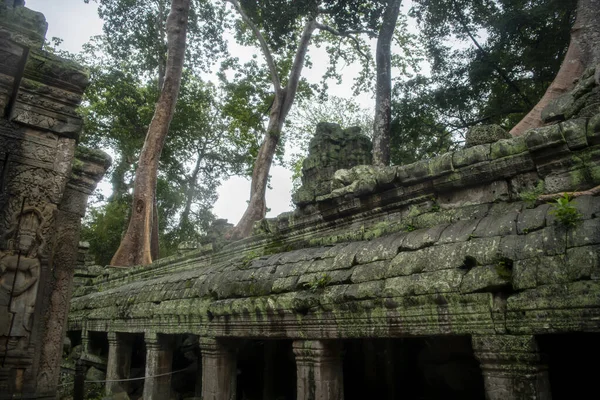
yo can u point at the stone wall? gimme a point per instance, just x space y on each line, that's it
452 245
44 185
458 246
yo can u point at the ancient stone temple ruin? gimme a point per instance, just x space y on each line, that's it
449 278
45 180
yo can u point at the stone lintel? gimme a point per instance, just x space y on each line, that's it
512 367
319 370
219 366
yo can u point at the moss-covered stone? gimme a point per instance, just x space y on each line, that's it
482 134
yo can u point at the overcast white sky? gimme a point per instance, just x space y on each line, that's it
75 22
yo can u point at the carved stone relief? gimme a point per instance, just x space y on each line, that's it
20 269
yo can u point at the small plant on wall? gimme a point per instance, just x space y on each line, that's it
318 282
565 212
531 196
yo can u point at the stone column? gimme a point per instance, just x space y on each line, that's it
79 381
159 362
118 365
319 370
512 368
85 341
219 367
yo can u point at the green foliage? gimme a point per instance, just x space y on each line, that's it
318 282
126 64
248 258
409 228
504 55
104 226
531 196
413 211
565 212
504 268
135 31
417 130
435 207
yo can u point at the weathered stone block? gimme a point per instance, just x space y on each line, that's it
286 284
459 231
524 274
482 134
370 272
385 176
546 141
443 281
365 290
421 238
427 260
583 263
483 279
556 109
497 225
572 180
532 219
383 248
484 251
523 183
584 234
474 195
413 173
507 147
471 155
441 165
593 131
574 131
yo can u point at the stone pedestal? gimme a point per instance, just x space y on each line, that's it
512 368
319 370
159 362
218 370
118 365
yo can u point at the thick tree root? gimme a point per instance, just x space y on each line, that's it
553 196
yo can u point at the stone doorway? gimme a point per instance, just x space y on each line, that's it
572 361
266 370
432 368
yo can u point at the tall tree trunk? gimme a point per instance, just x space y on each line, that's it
191 189
583 52
257 207
162 68
135 247
284 98
383 94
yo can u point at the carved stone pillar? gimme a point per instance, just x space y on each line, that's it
39 127
118 365
512 368
319 370
159 363
85 342
87 172
219 365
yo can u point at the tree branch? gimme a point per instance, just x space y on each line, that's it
348 34
296 71
263 44
485 54
553 196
